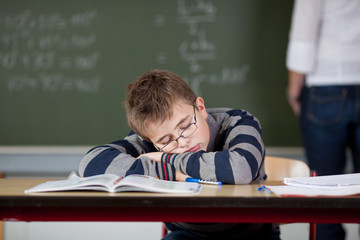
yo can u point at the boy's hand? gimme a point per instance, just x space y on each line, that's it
154 156
179 176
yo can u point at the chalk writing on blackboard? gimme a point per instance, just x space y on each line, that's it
53 82
198 48
49 51
227 75
196 11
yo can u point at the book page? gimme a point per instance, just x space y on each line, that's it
341 180
114 183
293 191
151 184
332 185
74 182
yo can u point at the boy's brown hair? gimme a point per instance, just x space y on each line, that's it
151 99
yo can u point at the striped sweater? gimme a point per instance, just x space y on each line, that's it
235 153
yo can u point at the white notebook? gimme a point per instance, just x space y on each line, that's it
332 185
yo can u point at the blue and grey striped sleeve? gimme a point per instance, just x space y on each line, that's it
239 154
121 158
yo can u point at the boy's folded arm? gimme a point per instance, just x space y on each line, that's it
105 159
146 166
225 166
239 163
121 158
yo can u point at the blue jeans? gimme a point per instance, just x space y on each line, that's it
330 123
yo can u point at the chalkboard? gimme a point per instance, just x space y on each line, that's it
64 64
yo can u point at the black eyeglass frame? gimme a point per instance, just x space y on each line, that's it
180 136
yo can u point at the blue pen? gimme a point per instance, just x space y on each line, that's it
196 180
263 188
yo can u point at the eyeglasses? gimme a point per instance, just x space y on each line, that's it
173 144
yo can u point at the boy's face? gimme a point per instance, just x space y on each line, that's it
183 115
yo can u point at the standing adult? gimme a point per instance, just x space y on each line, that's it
323 60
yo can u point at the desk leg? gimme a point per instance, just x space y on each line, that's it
312 232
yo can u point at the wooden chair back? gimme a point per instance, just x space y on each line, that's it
277 168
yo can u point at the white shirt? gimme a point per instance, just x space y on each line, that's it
325 42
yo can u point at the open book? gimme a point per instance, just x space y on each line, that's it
332 185
114 183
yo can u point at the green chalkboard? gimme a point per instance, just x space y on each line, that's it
64 64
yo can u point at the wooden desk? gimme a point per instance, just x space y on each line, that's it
229 203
